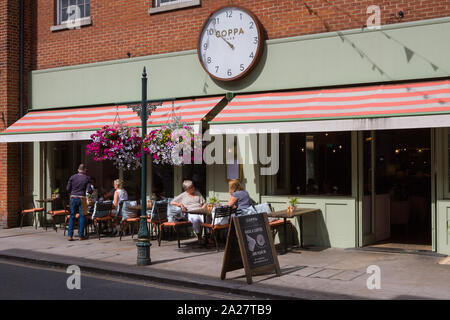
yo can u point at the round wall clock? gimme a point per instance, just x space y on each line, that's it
230 43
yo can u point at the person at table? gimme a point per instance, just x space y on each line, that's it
239 198
79 184
191 200
120 194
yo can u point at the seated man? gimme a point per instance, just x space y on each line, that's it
190 200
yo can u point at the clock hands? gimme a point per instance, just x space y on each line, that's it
229 43
231 46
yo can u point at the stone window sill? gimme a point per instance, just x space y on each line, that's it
70 26
174 6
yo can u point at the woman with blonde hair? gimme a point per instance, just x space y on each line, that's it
120 194
239 198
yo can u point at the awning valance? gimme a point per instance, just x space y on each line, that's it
80 123
355 108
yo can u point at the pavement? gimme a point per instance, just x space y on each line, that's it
314 273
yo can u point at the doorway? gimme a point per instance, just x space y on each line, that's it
396 202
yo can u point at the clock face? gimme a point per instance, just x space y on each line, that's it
230 43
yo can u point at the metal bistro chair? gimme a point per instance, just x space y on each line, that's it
28 201
102 215
274 223
129 218
223 213
175 225
58 211
158 216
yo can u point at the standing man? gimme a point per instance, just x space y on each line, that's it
78 186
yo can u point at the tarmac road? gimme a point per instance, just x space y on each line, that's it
27 281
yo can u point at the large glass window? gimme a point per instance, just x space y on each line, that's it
313 164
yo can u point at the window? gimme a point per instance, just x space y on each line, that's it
166 2
167 5
72 10
313 164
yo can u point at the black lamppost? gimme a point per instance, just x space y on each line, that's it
143 243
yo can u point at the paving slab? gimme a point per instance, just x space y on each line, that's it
326 273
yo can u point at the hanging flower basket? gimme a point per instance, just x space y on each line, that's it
118 143
168 144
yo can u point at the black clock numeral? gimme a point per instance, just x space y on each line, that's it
205 45
229 72
209 60
217 69
252 24
252 55
242 67
241 15
256 40
229 14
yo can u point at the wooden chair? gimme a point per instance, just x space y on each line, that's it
28 203
101 215
58 210
158 216
220 213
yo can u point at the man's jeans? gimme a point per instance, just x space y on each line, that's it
76 207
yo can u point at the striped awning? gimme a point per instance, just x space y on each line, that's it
79 123
302 108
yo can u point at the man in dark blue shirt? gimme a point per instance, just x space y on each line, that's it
79 184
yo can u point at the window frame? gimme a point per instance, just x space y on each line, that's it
63 25
59 12
270 184
158 7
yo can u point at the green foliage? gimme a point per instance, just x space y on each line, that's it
293 201
213 200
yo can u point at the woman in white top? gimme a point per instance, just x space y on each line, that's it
120 194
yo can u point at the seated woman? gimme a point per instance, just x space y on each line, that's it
189 200
239 198
120 194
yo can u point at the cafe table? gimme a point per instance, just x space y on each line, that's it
299 212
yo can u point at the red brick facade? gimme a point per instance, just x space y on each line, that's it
123 26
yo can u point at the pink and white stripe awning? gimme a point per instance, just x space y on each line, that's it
362 108
80 123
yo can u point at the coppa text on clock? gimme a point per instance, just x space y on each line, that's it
225 33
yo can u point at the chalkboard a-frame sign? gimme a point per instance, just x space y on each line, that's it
250 246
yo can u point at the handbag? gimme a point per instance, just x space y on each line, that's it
174 213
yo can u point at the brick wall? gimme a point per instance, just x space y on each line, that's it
9 108
122 26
